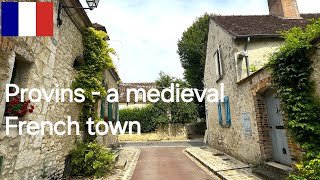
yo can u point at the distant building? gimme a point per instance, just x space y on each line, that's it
123 103
249 124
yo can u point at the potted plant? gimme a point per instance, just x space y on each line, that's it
17 108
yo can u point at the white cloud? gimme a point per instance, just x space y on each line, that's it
145 32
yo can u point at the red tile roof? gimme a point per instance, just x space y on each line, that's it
124 86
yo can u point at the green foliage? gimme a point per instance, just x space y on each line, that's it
143 115
291 70
253 68
192 49
90 159
307 171
181 112
97 58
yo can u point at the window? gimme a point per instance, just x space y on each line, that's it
224 115
1 163
217 59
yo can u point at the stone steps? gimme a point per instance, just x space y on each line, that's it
272 171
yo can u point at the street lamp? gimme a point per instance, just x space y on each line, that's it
91 3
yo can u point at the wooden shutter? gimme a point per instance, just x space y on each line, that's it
110 114
228 114
220 113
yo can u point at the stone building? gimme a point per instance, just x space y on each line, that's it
43 62
249 124
123 104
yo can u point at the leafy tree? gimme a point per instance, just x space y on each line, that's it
181 112
192 51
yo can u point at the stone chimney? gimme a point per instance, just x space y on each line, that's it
284 8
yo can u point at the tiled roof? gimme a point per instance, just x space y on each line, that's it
260 25
124 86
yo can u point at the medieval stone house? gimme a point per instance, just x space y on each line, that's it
44 62
123 87
249 124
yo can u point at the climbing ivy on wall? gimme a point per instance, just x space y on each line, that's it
89 158
97 58
291 71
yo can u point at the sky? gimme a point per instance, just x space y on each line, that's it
145 33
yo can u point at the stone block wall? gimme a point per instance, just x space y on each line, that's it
230 140
44 62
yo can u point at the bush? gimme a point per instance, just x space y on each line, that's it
91 159
143 115
307 171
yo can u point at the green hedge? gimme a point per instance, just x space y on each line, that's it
143 115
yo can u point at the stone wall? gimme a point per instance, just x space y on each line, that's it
315 57
43 62
180 130
243 93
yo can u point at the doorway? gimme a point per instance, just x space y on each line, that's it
279 141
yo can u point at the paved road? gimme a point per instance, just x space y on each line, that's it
167 163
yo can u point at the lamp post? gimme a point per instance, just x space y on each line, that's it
91 5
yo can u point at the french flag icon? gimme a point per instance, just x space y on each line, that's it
26 19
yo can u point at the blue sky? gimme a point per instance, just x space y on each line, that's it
145 33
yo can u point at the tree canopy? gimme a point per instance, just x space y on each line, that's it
192 51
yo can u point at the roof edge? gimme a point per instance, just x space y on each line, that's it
258 36
114 74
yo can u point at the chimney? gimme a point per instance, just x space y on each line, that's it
284 8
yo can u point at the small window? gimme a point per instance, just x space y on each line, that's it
219 69
224 114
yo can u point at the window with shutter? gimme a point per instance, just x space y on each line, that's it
224 114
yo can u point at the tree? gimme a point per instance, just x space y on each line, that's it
181 112
192 51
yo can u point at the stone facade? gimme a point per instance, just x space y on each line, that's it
229 60
245 95
41 62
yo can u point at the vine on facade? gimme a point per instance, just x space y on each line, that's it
291 69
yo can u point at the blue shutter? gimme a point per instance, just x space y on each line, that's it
219 113
228 114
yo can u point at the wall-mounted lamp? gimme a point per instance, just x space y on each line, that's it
91 3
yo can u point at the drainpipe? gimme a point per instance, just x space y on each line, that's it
245 52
